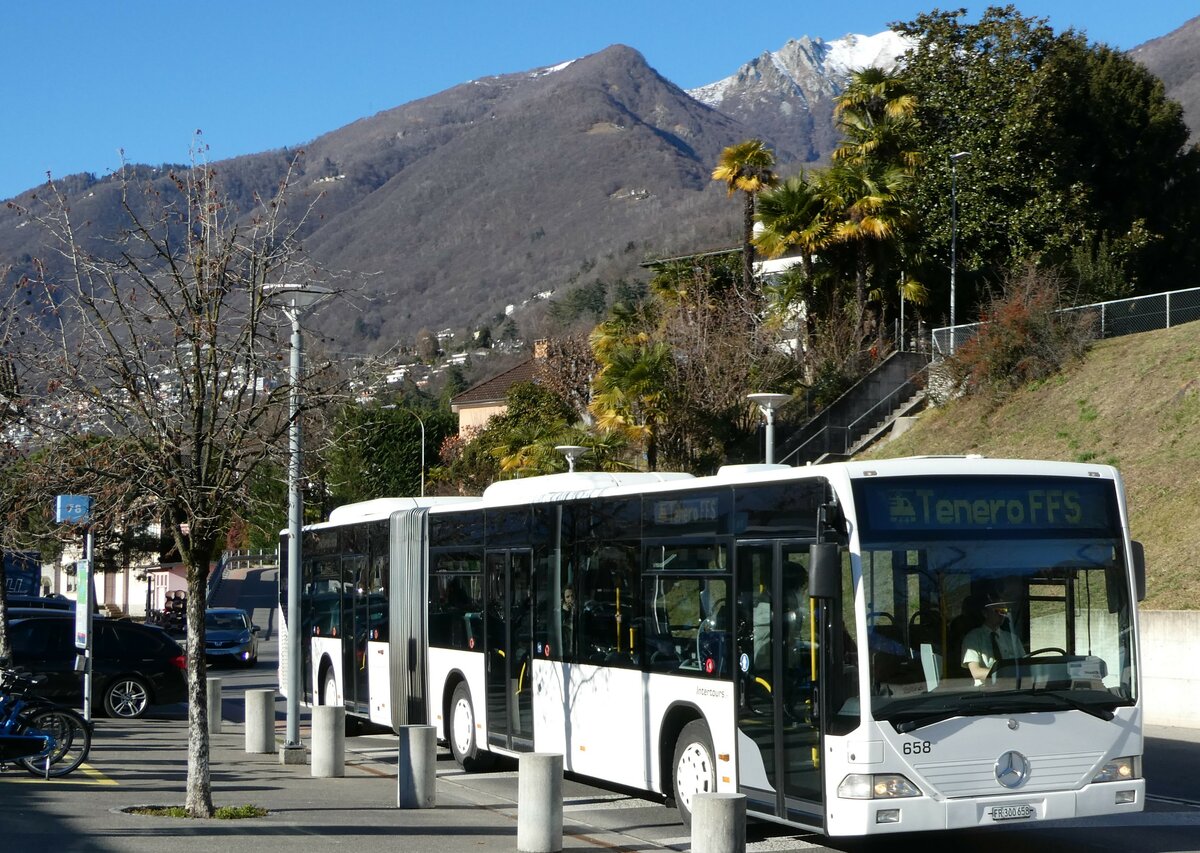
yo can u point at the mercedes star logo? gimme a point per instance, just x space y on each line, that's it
1012 769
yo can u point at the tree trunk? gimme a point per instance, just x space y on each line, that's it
860 291
747 245
5 651
199 779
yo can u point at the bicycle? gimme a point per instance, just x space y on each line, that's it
45 739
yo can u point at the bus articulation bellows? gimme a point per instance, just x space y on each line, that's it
858 647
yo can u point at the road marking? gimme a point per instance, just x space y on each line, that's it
95 777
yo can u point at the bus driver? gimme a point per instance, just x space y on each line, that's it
990 642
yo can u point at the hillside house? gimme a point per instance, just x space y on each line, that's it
481 401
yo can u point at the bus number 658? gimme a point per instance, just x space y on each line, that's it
917 747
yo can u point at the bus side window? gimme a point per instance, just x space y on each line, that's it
454 610
609 606
688 628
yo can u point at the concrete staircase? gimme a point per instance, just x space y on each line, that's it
888 417
894 389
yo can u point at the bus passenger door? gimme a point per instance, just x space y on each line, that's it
779 745
509 644
354 633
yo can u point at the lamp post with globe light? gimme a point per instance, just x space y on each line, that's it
767 404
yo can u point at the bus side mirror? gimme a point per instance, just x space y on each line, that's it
824 570
1139 569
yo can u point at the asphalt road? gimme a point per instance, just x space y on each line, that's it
1171 821
145 762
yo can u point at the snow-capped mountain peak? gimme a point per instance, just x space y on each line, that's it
808 67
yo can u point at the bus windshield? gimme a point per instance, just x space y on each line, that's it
994 595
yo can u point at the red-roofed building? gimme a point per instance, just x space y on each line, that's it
480 402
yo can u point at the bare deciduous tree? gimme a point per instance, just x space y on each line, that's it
156 367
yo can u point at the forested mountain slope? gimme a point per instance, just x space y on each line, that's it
1133 403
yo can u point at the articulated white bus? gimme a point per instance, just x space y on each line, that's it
859 648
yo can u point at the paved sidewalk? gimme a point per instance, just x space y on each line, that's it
145 763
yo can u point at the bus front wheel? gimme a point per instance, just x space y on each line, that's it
329 688
461 735
695 769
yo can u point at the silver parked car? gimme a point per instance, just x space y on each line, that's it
230 636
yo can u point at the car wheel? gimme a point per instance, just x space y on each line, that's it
128 698
695 770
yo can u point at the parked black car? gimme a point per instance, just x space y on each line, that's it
134 666
41 602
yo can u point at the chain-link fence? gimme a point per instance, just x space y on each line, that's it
1113 319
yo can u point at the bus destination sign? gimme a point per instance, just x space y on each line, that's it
931 505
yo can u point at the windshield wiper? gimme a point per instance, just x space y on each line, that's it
927 720
974 705
1102 713
987 704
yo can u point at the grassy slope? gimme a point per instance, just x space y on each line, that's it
1133 403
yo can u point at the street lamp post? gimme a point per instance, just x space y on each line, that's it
295 300
954 158
422 423
767 404
571 452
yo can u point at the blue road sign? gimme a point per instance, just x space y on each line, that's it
73 509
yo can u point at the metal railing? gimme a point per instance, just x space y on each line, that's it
840 438
881 411
1114 318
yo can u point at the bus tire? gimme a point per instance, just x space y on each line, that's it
461 732
694 768
329 688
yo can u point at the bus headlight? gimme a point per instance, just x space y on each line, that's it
877 786
1119 770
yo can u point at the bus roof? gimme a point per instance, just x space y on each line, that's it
384 507
573 484
584 484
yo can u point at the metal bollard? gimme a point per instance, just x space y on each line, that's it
328 741
416 768
719 823
260 720
214 706
539 803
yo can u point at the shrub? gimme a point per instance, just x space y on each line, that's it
1024 337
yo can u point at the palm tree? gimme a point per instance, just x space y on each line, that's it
876 114
868 195
747 167
629 393
872 169
794 216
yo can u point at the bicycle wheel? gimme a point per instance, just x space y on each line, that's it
71 739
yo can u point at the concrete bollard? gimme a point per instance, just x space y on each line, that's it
539 803
214 706
328 741
260 720
719 823
416 768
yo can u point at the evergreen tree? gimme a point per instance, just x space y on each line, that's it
1072 145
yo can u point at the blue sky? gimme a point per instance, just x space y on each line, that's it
85 79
